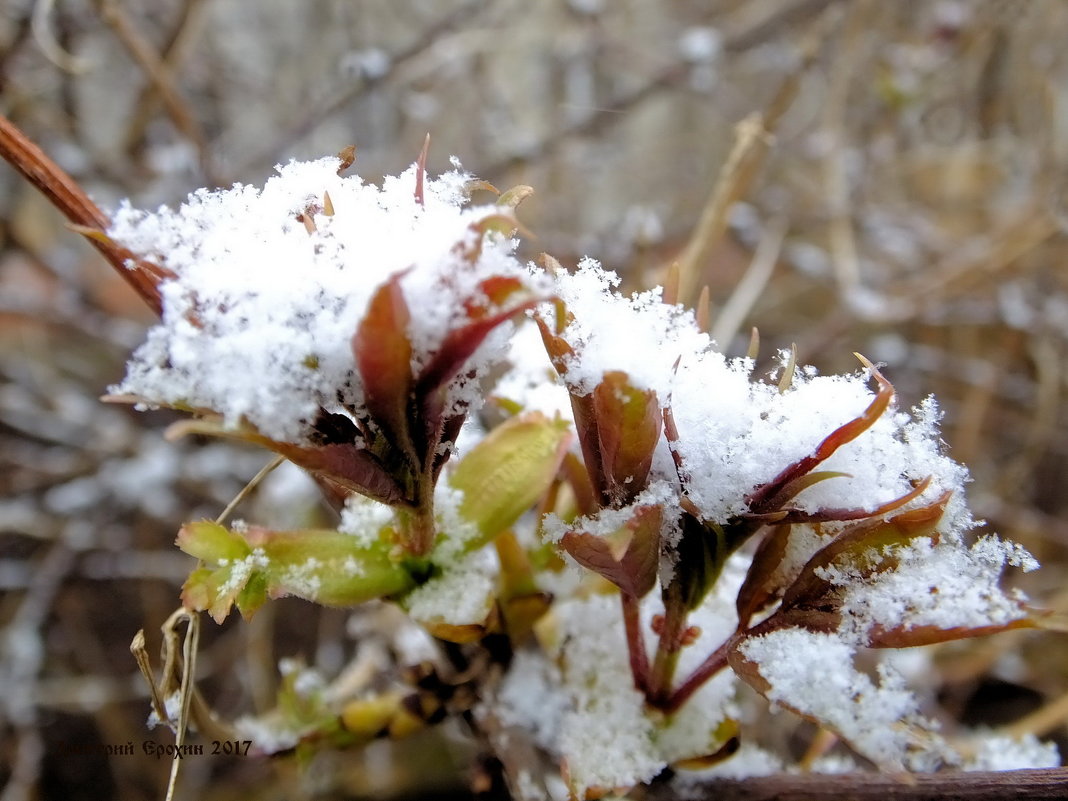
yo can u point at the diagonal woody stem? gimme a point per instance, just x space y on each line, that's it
70 199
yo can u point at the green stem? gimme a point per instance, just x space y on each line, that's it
667 651
419 529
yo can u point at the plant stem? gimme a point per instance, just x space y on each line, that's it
639 659
715 662
667 651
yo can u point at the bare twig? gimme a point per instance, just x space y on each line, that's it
150 61
307 120
981 786
747 291
753 139
843 246
46 40
171 54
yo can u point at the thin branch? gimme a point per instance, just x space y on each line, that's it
715 662
1013 785
145 56
841 236
171 54
748 290
46 40
307 120
608 114
754 137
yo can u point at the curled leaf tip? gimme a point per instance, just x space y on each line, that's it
346 158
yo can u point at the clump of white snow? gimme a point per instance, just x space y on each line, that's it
258 320
813 674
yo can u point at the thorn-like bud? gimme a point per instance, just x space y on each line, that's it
704 310
672 282
753 351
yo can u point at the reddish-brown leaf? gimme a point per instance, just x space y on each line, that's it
458 346
879 637
628 557
855 546
555 345
789 482
346 465
758 590
383 358
628 424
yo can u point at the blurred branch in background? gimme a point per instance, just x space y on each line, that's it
900 186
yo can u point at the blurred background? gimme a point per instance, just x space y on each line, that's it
846 175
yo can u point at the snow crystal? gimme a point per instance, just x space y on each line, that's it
531 381
993 751
172 707
364 518
530 697
241 570
462 595
639 334
303 579
606 738
813 673
609 521
944 586
736 434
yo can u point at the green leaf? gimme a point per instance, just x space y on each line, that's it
252 596
509 471
211 542
329 567
214 591
702 551
325 566
514 196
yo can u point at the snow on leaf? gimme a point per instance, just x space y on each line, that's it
628 556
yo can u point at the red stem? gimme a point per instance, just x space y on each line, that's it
639 658
715 662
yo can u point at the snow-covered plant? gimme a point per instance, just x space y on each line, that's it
572 483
